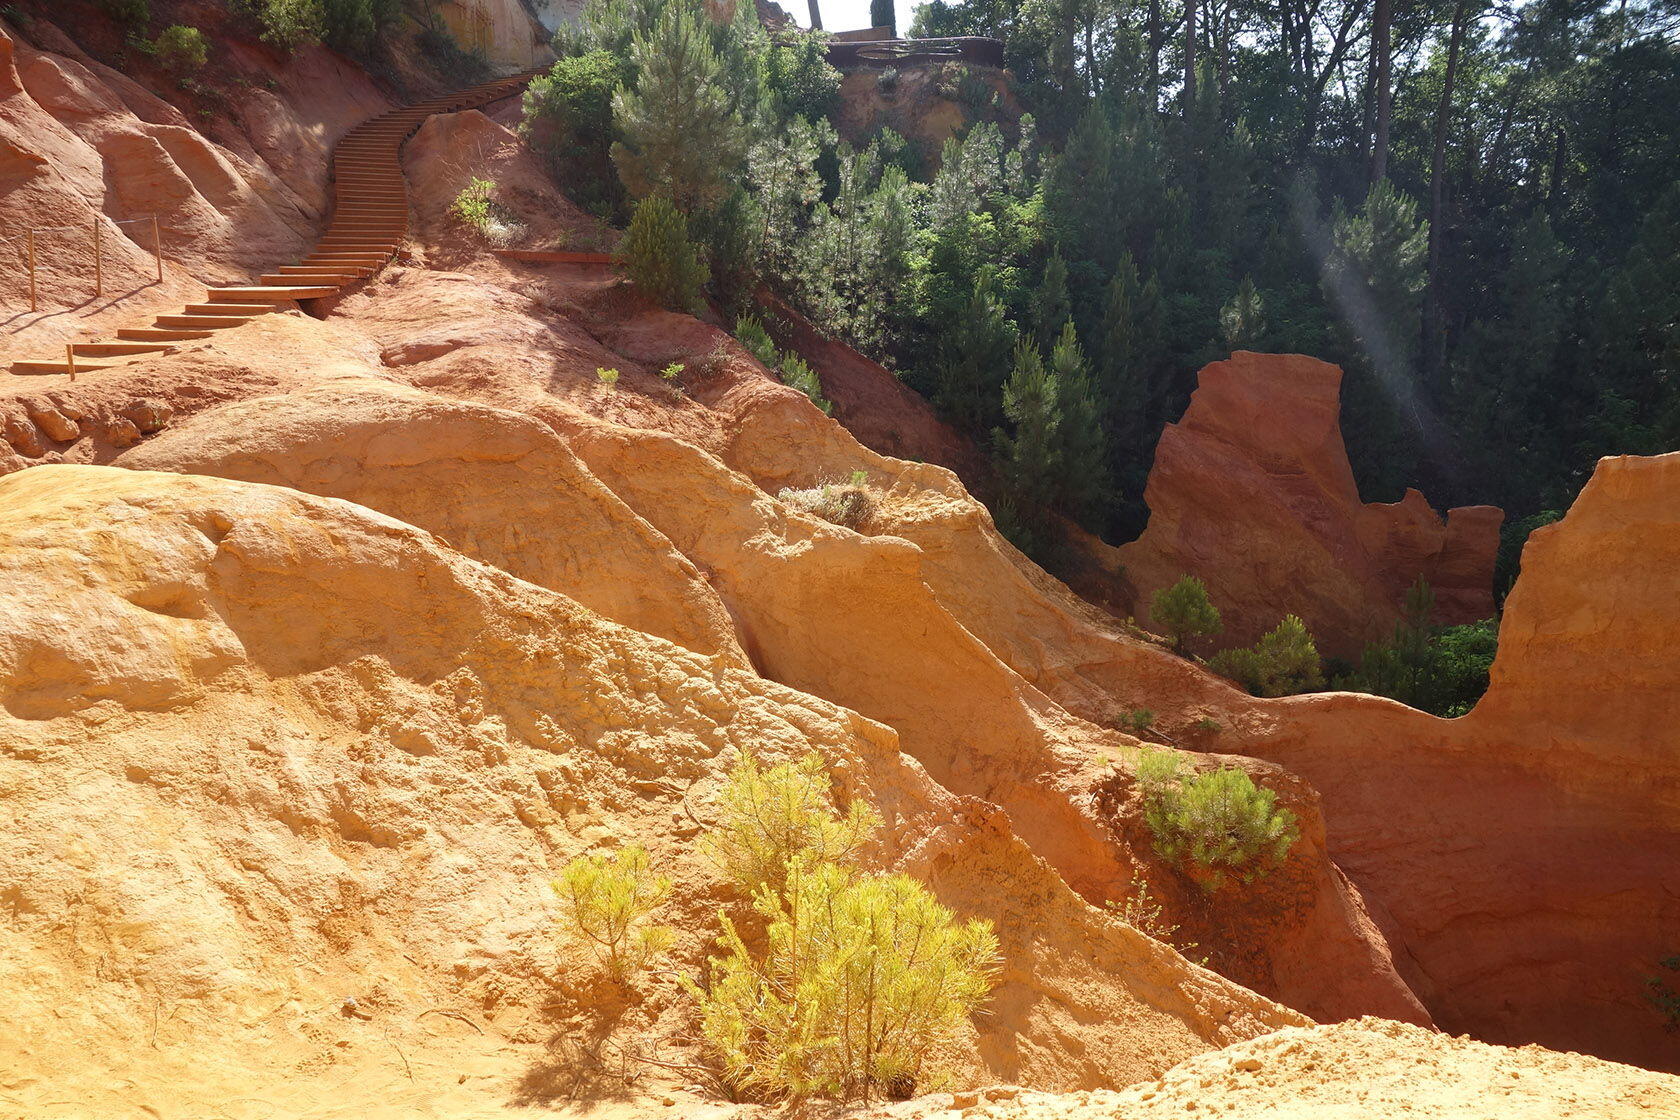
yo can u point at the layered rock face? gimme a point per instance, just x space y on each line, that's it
1251 491
1528 854
395 613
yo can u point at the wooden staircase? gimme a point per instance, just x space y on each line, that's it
369 222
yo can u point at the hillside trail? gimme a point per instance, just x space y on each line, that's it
369 223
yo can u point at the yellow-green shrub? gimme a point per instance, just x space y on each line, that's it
859 977
605 900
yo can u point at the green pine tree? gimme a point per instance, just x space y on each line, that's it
660 260
1082 478
1050 307
680 135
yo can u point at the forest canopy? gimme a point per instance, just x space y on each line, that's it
1473 208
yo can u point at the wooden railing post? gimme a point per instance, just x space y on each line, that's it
70 358
157 249
31 268
98 268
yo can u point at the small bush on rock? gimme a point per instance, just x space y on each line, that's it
857 977
1282 663
606 900
660 259
847 504
1213 825
181 49
1184 611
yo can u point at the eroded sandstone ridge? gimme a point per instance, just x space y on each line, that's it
395 611
1251 490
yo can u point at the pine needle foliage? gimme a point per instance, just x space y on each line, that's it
1184 611
1217 825
1283 662
680 136
660 259
606 899
768 819
860 976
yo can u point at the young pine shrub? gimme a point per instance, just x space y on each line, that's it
860 977
181 50
750 332
1213 825
769 818
1282 663
660 259
605 901
607 377
797 374
1184 611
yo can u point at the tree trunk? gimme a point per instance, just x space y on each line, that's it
1155 42
1434 354
1189 56
816 16
1554 188
1225 55
1382 55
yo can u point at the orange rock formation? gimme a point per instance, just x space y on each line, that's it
396 612
1251 490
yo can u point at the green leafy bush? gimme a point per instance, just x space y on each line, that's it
131 14
1184 611
660 259
181 49
1138 720
1282 663
605 901
567 118
1214 825
477 207
799 79
859 977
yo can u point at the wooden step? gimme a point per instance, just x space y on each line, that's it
329 279
338 272
228 308
120 349
270 293
214 322
162 334
61 366
346 257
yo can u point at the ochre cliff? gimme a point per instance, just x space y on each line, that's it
1251 491
396 611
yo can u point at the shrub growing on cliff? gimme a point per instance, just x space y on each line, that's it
1184 611
770 819
847 504
1283 662
181 49
857 977
660 259
1214 825
606 900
